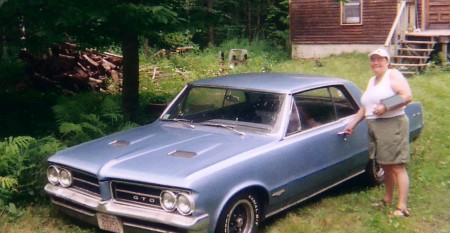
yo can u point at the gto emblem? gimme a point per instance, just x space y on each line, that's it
144 199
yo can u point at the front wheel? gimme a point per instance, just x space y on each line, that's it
374 172
240 215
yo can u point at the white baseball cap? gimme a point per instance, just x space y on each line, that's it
380 52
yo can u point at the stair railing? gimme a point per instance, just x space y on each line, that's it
398 27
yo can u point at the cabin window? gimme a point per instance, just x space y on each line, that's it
351 12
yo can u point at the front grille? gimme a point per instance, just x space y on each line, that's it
142 195
85 182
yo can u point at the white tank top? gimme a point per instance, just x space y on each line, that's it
375 93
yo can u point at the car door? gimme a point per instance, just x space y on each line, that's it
315 155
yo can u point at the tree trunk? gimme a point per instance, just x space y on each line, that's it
258 21
2 45
210 27
249 18
130 92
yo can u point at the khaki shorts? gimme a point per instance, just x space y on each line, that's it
389 140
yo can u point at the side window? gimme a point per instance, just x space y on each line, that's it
322 106
343 103
315 107
351 12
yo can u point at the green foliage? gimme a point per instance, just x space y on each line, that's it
175 39
22 168
87 116
277 25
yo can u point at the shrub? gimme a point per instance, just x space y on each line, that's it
23 169
89 116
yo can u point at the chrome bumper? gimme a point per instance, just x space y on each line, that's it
82 203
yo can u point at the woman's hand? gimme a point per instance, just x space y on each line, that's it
359 116
349 129
379 110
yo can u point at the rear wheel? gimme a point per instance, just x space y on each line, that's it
374 172
240 215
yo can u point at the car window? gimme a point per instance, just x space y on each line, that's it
320 106
203 100
251 110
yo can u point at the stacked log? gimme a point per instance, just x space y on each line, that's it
68 69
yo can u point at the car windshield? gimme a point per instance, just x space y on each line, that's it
237 110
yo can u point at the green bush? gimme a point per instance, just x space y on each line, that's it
23 169
89 116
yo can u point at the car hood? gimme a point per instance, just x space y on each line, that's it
158 153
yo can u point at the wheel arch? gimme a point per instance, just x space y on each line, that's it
260 191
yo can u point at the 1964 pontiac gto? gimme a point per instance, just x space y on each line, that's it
225 154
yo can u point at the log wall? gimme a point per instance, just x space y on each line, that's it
319 22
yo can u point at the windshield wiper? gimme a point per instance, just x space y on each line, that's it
185 122
225 126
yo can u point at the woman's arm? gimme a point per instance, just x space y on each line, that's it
358 118
401 87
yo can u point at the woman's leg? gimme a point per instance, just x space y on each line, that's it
402 178
389 182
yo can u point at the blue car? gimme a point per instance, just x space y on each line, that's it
225 154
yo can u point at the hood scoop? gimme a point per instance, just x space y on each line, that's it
184 154
119 143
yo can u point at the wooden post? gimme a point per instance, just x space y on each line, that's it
422 21
444 40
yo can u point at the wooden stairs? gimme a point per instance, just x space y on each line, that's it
413 54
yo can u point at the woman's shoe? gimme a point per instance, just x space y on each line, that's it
400 213
381 202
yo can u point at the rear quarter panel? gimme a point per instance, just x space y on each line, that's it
414 111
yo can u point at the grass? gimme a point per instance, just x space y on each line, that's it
345 208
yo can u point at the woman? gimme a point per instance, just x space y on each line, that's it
388 127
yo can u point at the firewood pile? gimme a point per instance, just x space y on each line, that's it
69 70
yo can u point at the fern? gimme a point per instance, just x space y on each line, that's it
110 109
23 168
8 183
70 128
13 146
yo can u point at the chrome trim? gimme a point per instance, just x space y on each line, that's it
86 182
72 208
149 186
146 228
194 223
278 193
312 195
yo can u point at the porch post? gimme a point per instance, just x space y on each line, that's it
444 40
422 21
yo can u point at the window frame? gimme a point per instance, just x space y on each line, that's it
343 4
345 95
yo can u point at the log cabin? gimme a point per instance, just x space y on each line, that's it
411 30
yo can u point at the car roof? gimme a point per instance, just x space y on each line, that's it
269 82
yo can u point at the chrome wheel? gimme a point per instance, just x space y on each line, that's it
241 217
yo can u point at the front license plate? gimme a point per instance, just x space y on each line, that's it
109 223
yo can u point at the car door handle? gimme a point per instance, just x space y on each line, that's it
342 133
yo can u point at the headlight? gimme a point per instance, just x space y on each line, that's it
65 178
168 200
53 175
185 204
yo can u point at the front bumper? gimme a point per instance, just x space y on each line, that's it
86 207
